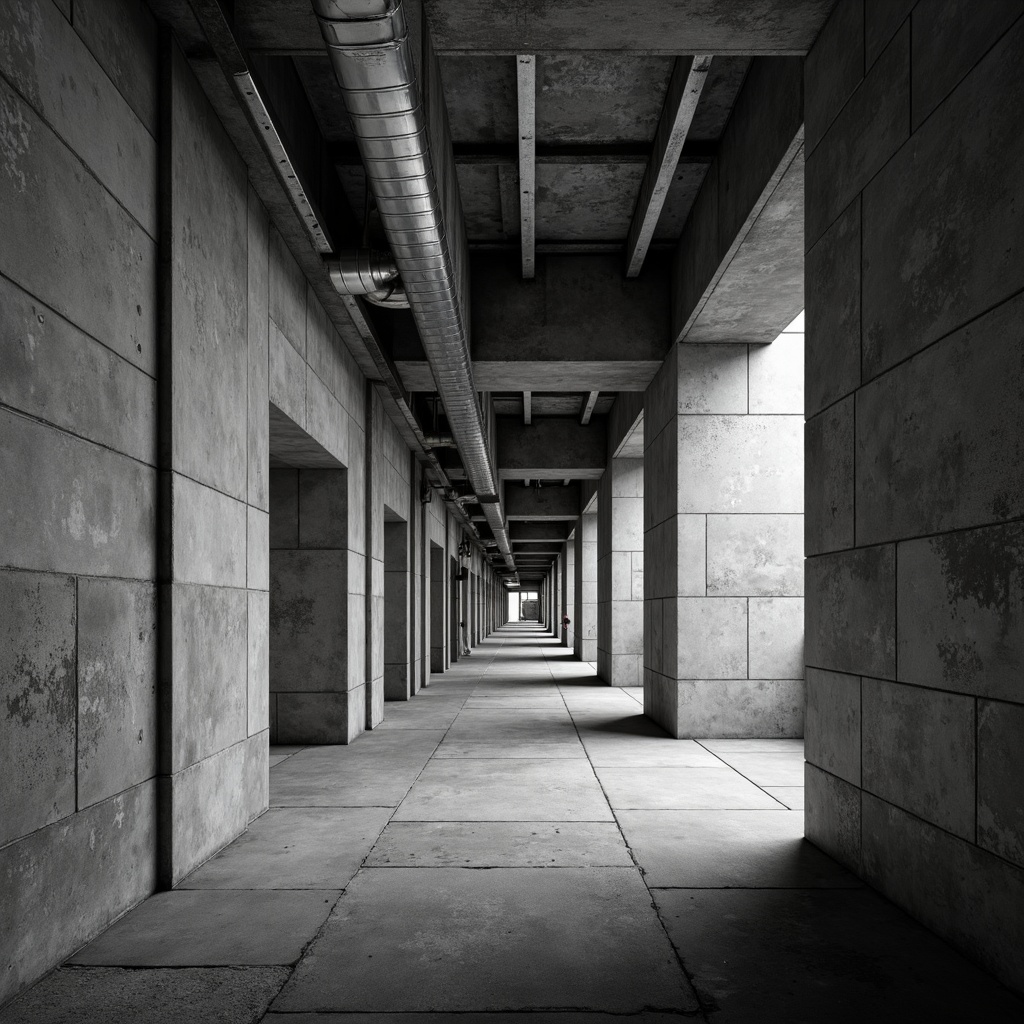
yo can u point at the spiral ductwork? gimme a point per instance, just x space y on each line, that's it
406 150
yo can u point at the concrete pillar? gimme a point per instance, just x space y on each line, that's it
570 592
398 683
620 573
586 587
309 684
723 522
437 595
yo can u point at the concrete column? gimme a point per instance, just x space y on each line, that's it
586 588
570 592
309 685
620 573
723 522
397 673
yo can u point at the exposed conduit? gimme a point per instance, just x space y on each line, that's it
411 172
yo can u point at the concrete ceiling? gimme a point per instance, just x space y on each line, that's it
579 333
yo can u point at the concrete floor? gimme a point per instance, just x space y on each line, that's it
518 838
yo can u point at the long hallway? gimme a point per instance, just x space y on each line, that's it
519 838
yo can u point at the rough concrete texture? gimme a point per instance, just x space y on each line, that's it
55 874
913 577
39 695
161 996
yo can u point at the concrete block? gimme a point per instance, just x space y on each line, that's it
740 464
284 508
832 739
740 708
257 775
960 605
117 687
919 751
122 38
711 379
869 129
209 659
1001 779
931 457
661 493
627 478
776 374
258 707
68 881
832 342
372 704
691 565
205 807
834 68
287 377
661 700
973 899
832 816
397 682
208 535
712 638
627 669
660 407
828 467
882 19
258 332
287 294
45 60
308 620
627 633
356 575
946 220
67 241
56 373
323 508
947 40
326 420
209 293
776 637
37 685
851 611
320 341
257 549
755 555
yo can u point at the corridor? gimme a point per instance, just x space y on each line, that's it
519 838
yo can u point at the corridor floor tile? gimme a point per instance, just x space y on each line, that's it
504 939
343 786
768 769
81 995
767 746
507 844
722 849
632 751
760 956
506 790
791 796
682 788
295 848
225 927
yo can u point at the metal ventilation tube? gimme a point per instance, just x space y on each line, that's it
368 273
417 198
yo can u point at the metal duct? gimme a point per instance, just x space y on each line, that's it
369 273
417 197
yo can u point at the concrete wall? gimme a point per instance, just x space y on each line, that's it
915 465
723 528
309 609
78 459
570 591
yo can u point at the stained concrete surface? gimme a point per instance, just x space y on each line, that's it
469 889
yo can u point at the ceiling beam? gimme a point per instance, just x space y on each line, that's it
553 448
526 79
684 88
588 407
